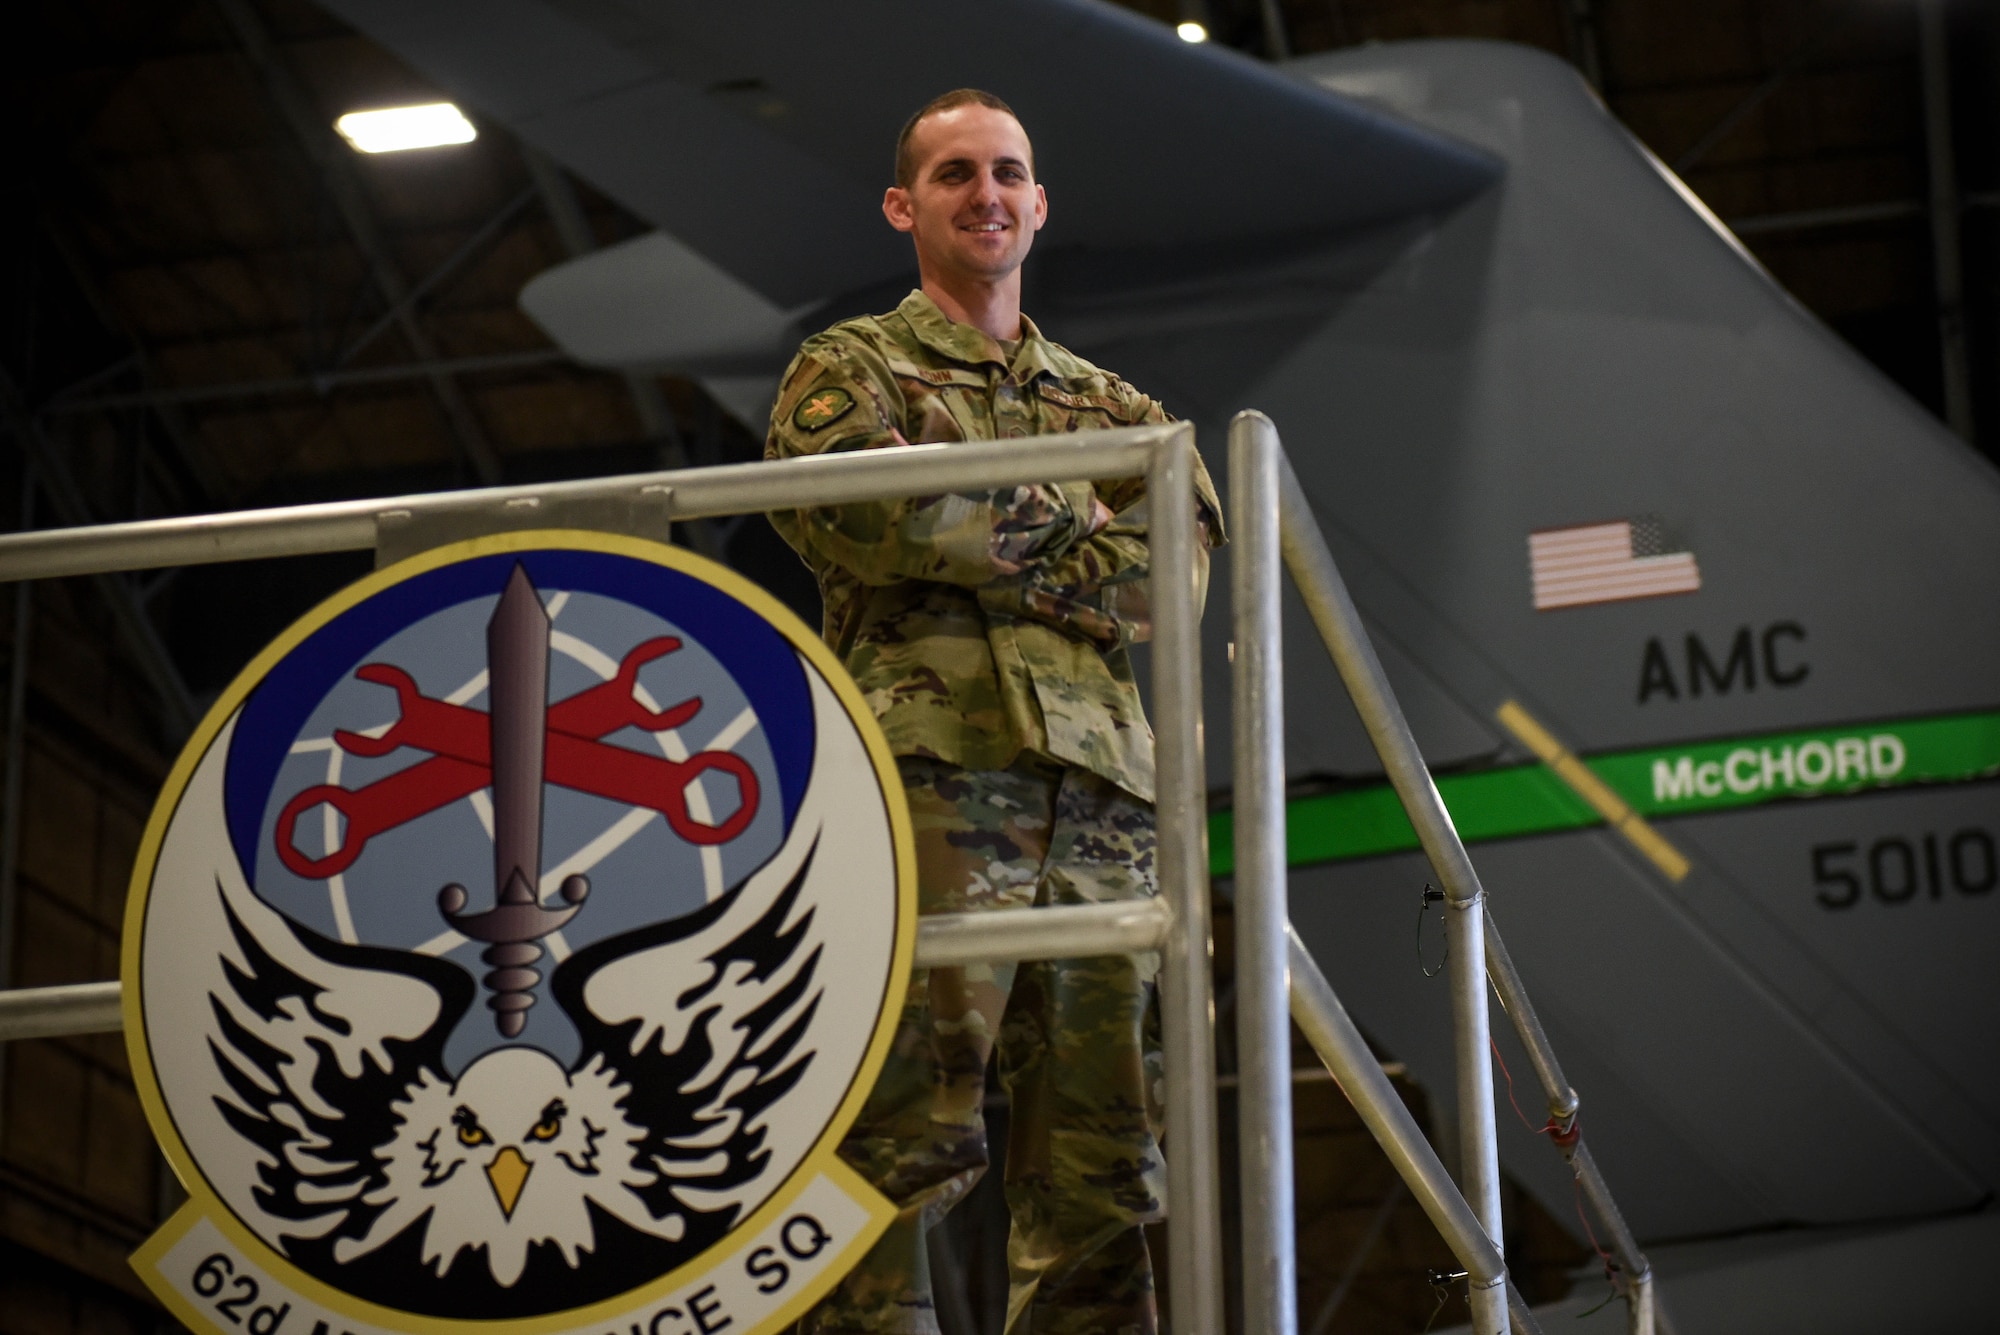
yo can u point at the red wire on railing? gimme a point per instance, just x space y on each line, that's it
1553 1127
1566 1137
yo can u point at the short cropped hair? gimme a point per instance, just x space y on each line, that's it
906 162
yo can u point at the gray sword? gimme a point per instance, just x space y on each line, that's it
517 691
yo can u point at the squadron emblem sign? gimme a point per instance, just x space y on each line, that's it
511 947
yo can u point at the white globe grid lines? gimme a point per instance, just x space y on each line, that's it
671 743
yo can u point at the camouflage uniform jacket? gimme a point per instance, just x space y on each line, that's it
979 624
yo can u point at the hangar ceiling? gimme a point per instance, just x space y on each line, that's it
219 304
211 303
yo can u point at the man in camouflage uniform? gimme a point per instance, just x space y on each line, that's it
989 632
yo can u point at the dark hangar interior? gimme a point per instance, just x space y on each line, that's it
212 303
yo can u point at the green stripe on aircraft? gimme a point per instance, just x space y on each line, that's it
1657 781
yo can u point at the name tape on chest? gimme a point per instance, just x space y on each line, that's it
1102 402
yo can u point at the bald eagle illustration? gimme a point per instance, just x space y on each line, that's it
520 1183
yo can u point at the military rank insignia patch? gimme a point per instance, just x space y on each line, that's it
822 407
508 952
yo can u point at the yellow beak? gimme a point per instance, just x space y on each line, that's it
508 1173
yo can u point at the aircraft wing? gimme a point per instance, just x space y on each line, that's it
759 134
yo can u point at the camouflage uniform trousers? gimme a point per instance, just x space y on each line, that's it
1078 1055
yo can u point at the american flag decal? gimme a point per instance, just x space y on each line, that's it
1607 563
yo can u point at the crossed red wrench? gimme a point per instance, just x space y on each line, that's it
461 748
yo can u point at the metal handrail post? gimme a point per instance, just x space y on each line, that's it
1642 1302
1194 1220
1263 1043
1339 623
1334 1036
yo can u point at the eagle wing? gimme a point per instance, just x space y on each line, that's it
704 1019
316 1042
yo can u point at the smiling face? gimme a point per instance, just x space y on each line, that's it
972 206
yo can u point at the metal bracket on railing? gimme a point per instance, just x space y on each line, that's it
644 511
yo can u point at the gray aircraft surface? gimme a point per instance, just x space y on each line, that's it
1575 451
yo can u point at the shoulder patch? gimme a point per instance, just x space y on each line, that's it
822 407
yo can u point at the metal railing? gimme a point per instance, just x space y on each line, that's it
1057 931
1274 530
1176 924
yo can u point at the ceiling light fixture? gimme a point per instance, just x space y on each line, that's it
393 129
1191 31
